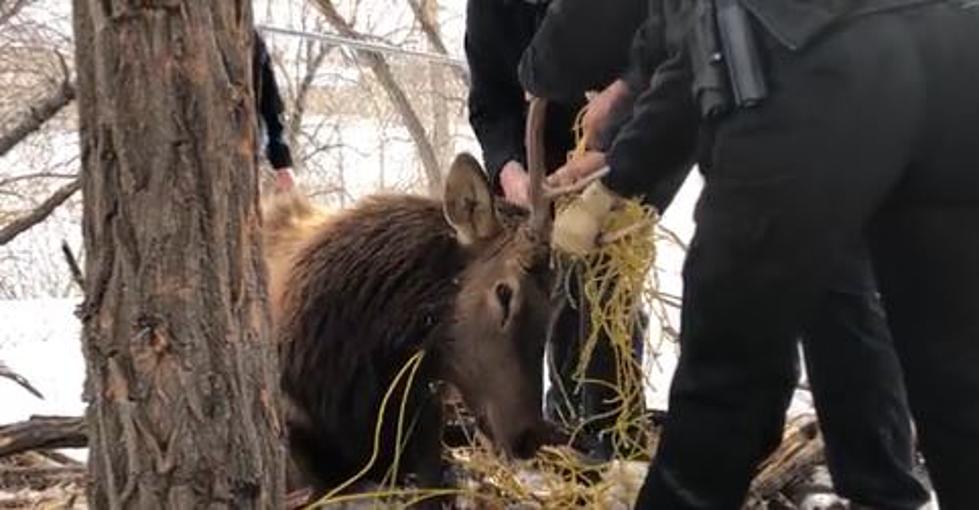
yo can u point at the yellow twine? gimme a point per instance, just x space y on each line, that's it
613 281
413 363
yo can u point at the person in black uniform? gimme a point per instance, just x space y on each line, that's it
497 32
865 135
855 374
269 108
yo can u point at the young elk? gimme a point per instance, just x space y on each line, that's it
356 295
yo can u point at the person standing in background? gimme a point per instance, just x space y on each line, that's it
269 109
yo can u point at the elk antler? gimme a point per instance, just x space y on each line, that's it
540 210
580 184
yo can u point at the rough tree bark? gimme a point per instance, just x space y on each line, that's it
181 380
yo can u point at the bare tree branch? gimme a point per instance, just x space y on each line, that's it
9 11
434 35
9 373
395 93
40 213
316 53
37 115
38 175
76 271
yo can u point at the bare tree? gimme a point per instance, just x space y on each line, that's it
427 19
440 111
181 378
382 71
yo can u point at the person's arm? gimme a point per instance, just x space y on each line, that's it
496 100
270 108
649 159
660 139
647 52
580 46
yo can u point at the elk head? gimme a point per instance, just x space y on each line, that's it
500 321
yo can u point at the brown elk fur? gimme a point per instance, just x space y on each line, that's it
290 219
355 294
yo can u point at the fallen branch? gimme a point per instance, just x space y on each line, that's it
40 213
42 432
801 450
39 478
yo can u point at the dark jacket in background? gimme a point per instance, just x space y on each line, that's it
581 45
497 32
268 105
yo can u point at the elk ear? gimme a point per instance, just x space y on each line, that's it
468 202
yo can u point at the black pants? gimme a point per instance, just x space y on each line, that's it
869 133
858 388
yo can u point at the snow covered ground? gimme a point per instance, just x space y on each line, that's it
40 340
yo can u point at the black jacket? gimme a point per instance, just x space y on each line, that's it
497 32
268 105
796 23
583 45
659 142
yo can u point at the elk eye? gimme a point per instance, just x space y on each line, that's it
504 294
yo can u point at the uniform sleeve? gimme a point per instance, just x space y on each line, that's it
656 148
496 100
647 51
581 45
270 109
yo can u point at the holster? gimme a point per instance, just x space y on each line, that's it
727 68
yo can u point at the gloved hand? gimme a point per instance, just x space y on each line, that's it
577 226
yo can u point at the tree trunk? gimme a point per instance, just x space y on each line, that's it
181 376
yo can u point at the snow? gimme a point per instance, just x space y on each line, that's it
40 340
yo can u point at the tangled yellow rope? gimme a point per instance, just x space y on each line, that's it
613 281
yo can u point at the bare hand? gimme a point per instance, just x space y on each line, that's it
515 183
284 179
576 169
600 108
